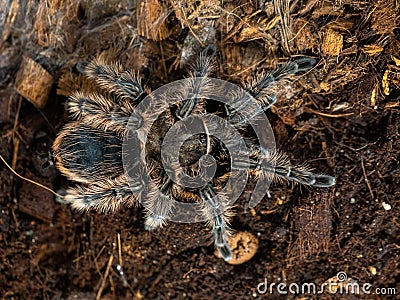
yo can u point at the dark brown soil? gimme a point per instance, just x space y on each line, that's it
343 117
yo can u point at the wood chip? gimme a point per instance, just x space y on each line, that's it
151 16
374 95
373 49
333 43
33 82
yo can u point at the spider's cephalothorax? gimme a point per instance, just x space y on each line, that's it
89 150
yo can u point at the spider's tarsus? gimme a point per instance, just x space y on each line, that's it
215 210
158 206
322 180
304 64
220 238
221 244
301 175
225 251
298 65
274 165
61 192
154 221
81 66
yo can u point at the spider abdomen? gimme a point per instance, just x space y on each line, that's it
85 154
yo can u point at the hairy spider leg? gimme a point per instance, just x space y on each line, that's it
104 195
196 83
158 204
113 78
276 166
215 210
100 112
242 108
109 112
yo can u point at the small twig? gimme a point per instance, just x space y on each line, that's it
282 9
351 148
249 68
15 153
187 23
298 32
16 118
119 249
188 272
163 61
119 265
14 138
241 23
103 281
366 178
309 110
50 126
29 180
95 260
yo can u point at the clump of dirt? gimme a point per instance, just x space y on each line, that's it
342 116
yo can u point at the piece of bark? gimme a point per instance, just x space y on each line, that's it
33 82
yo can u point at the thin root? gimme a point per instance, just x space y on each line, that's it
29 180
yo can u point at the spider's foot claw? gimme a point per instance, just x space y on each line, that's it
153 222
305 63
61 192
149 228
225 251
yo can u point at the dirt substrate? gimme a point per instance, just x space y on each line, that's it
343 117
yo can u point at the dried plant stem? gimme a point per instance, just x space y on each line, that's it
103 282
29 180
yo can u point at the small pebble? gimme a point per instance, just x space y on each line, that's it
386 206
244 246
372 270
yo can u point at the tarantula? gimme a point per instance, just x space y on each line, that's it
89 149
